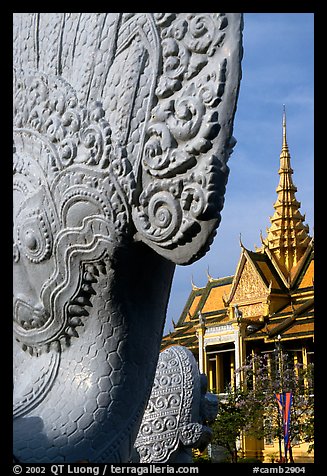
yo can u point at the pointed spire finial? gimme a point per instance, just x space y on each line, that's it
284 128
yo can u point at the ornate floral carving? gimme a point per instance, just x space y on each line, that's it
164 19
170 208
162 215
187 44
249 286
48 105
253 310
184 129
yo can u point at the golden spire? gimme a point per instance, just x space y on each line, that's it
287 237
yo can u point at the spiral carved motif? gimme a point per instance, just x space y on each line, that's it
185 131
164 216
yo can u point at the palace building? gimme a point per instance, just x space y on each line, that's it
270 298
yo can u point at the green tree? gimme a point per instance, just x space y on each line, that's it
229 423
276 374
252 408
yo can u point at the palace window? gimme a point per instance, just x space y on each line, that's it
220 367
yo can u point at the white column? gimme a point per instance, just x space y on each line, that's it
237 356
201 350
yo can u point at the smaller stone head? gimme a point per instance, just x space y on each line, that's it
177 412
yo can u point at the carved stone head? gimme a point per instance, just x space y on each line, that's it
175 419
122 132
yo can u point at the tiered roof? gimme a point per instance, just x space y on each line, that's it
273 286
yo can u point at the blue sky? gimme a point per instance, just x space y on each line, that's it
277 69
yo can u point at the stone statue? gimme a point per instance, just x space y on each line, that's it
238 313
175 419
122 131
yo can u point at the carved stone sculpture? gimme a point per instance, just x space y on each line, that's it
122 131
178 409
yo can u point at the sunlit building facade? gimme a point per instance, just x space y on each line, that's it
269 299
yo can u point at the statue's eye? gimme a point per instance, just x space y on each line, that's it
34 237
31 241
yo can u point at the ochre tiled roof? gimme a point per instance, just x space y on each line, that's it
300 328
307 280
193 306
182 335
214 300
294 306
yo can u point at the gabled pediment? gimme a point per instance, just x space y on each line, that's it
248 284
303 275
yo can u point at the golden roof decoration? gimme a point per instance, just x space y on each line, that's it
287 237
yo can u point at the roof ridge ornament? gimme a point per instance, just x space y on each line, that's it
194 287
210 278
240 240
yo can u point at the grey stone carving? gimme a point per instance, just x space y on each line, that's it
179 407
122 131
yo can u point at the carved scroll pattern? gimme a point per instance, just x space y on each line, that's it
184 179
